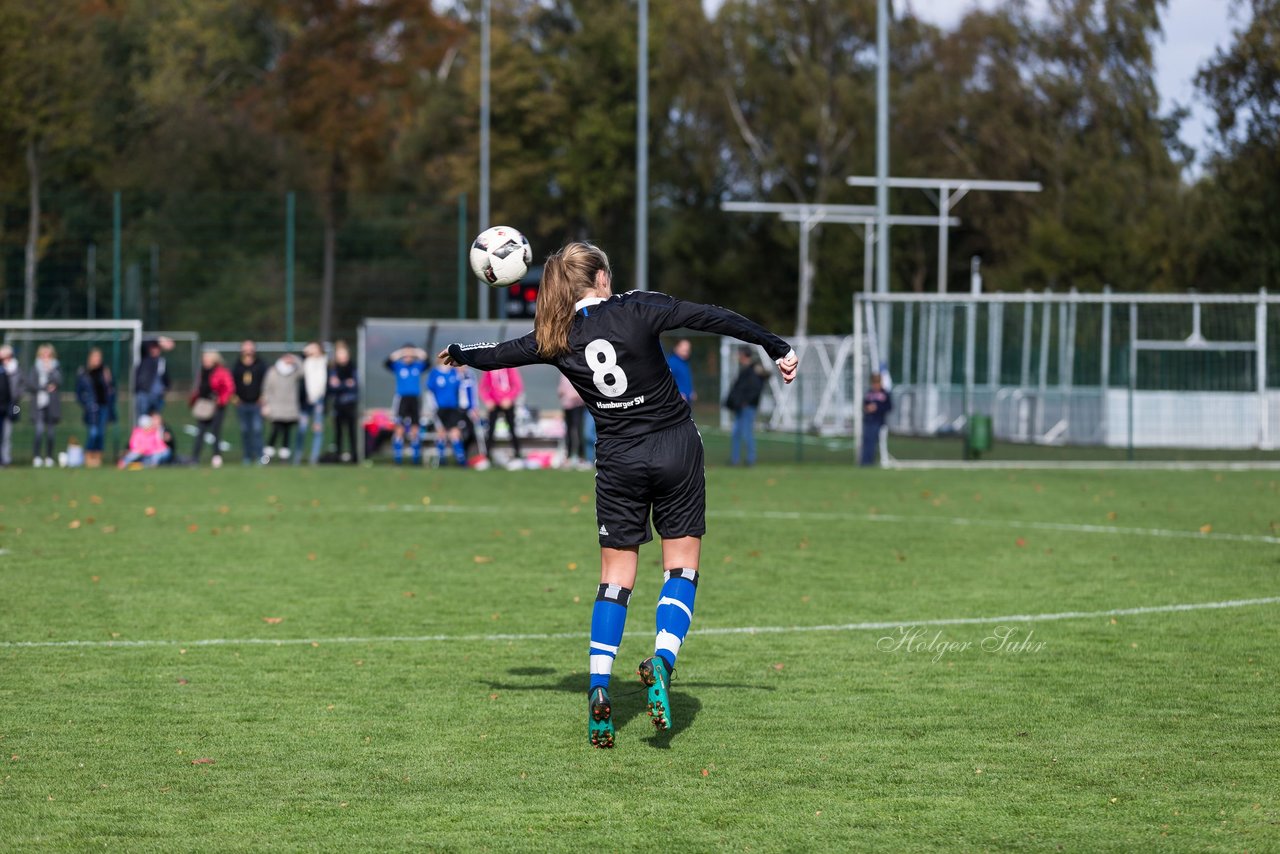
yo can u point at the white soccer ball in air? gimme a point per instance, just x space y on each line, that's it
500 256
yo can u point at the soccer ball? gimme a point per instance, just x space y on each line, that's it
500 256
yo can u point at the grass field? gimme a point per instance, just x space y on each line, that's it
382 659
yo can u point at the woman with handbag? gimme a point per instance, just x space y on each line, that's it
209 403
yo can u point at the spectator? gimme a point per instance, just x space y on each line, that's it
12 377
146 443
451 391
743 401
876 406
499 390
151 379
344 396
96 393
249 374
574 408
45 380
408 363
280 404
678 362
209 404
7 405
315 387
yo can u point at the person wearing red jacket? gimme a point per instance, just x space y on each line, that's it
499 391
209 403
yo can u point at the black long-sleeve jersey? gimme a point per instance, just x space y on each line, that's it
615 360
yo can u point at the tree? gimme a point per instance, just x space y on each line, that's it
48 83
1237 203
340 90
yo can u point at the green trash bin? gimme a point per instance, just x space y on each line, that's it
977 440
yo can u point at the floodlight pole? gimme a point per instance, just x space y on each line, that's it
950 191
809 217
642 149
482 295
882 146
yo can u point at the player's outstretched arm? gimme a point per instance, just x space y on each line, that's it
488 357
675 314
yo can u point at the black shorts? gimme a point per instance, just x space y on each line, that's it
662 471
409 410
449 417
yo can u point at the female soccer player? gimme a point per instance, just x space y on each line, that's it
649 453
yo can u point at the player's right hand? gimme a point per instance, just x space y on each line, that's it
445 359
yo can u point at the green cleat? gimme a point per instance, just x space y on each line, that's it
655 676
600 718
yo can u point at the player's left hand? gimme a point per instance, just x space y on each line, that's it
788 365
446 359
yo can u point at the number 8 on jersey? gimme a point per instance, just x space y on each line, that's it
602 359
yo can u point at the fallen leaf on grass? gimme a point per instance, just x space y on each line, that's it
778 665
224 509
571 566
95 579
271 621
95 499
108 529
191 529
311 555
204 760
408 594
706 773
1206 529
73 524
1020 542
482 559
182 681
426 500
150 511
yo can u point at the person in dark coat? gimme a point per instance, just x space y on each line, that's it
96 392
151 379
45 381
743 401
876 406
344 396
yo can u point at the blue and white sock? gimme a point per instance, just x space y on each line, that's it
460 452
440 450
675 613
608 618
397 449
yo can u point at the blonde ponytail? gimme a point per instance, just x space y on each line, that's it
566 278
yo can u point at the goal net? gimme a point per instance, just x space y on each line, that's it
1074 377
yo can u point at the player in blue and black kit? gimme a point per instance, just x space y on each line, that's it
455 396
649 453
408 363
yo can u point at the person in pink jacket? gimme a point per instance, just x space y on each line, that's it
146 443
499 391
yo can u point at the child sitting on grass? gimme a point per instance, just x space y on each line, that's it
146 443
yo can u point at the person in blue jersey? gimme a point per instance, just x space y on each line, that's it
681 371
454 396
649 459
408 364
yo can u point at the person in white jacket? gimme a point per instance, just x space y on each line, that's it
315 386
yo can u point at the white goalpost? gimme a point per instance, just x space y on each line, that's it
1074 378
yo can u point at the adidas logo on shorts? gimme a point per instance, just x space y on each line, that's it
604 532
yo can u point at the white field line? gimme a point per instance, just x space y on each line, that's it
826 516
1091 465
713 630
